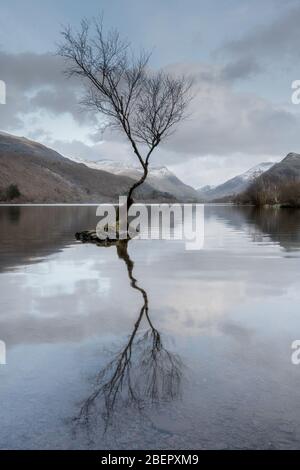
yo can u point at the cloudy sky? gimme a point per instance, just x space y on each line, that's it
243 55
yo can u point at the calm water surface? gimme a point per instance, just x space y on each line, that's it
149 346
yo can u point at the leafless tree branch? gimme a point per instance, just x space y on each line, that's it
143 372
143 104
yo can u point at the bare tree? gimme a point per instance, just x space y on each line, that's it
143 104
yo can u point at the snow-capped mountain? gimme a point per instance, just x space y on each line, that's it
160 178
256 171
109 165
286 170
42 175
235 185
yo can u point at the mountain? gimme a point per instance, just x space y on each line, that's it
285 171
205 191
160 178
234 185
279 186
44 176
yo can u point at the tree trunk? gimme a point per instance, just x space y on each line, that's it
130 200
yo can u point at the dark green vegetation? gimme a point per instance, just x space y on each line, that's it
11 193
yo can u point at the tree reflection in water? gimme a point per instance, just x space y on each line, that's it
142 373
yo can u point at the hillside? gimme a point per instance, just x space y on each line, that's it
279 185
160 178
234 185
286 170
44 176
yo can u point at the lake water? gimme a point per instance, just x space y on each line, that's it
151 346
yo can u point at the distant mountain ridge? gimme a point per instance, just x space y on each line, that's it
160 178
44 176
286 170
279 186
235 185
